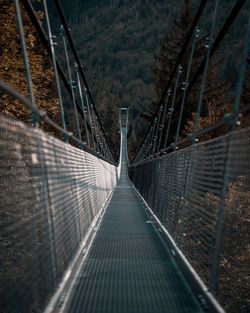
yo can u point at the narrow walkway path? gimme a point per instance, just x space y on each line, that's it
128 269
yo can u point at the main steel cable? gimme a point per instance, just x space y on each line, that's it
45 41
77 59
43 116
223 31
209 45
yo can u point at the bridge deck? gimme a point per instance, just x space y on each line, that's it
128 268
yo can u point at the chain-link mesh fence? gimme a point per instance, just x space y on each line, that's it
50 193
185 191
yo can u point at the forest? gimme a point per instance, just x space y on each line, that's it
121 69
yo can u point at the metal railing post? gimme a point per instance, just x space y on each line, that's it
92 112
48 208
71 83
26 60
151 142
52 44
90 119
186 83
171 109
164 118
208 45
82 104
157 128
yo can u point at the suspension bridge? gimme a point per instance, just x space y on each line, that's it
81 231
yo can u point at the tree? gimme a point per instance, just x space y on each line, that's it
165 60
214 102
12 69
245 99
109 117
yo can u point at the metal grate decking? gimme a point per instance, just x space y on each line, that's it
128 268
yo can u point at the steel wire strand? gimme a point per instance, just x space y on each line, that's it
56 191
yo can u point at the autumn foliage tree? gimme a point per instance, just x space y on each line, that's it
12 69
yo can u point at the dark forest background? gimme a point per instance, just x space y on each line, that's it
119 42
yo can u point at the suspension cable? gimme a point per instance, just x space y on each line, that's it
45 41
41 115
77 59
223 31
180 56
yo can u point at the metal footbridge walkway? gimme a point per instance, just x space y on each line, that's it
83 230
129 268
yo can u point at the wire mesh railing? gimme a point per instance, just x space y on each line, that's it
195 177
184 190
53 189
51 194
